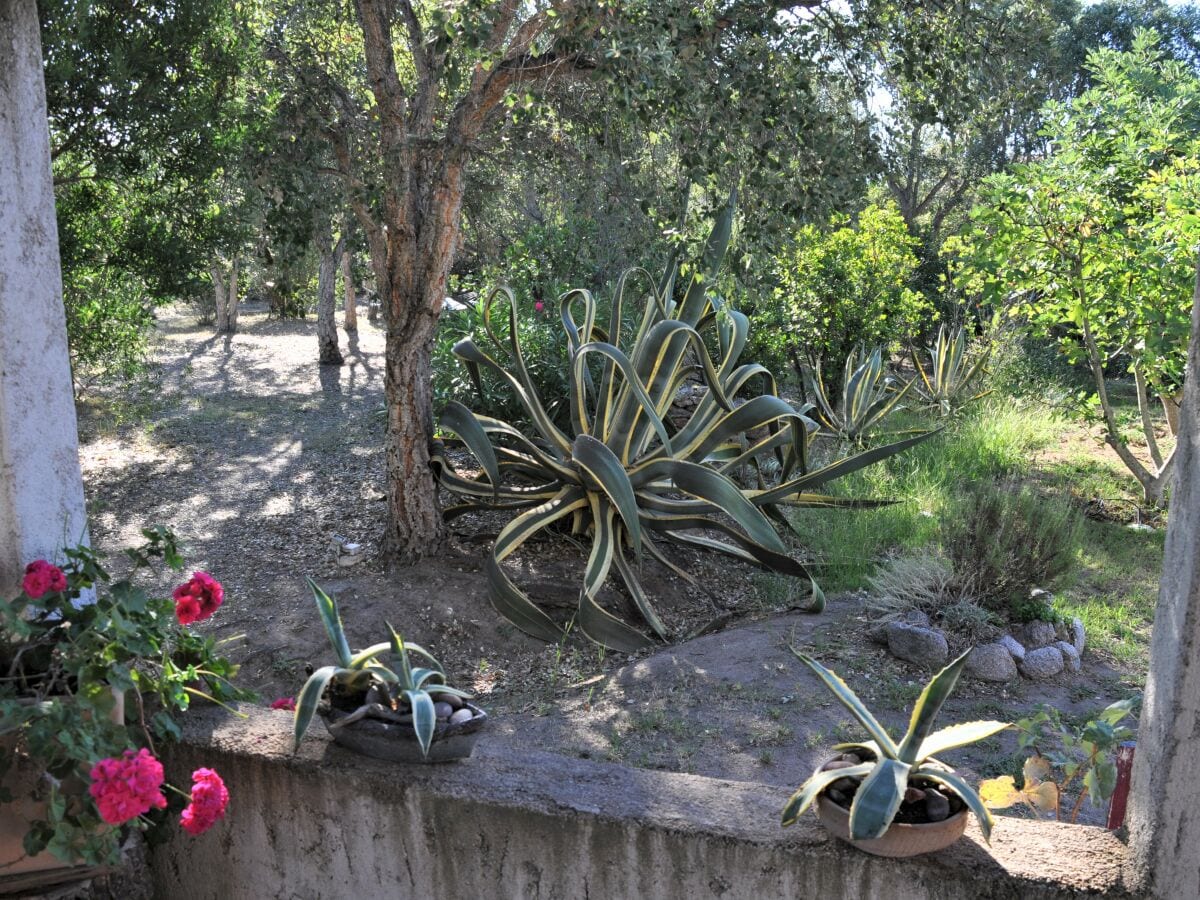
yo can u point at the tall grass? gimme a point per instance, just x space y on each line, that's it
993 440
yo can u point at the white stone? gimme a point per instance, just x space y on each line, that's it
41 490
1015 648
1071 659
1078 636
1044 662
921 646
1039 634
991 662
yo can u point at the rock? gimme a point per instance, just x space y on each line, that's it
912 795
925 647
461 715
845 785
915 617
1039 634
937 806
992 662
1077 636
454 700
853 758
837 764
877 634
836 796
1044 662
1070 658
1015 648
442 710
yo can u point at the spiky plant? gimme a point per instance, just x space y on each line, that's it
869 395
396 695
896 766
950 382
621 472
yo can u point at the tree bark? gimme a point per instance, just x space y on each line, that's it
350 320
328 353
218 283
231 307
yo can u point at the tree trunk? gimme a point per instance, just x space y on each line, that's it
1170 405
218 283
351 312
231 308
328 353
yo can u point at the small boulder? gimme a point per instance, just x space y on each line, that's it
992 662
1039 634
1014 647
925 647
1071 659
1044 662
1077 635
915 617
461 715
937 806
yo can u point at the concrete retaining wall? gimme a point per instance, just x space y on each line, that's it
539 826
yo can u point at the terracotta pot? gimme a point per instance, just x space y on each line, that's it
396 741
18 872
899 840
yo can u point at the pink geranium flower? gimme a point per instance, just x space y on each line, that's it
539 306
198 598
127 786
209 800
288 703
42 577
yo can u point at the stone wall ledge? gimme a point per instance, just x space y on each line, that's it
512 823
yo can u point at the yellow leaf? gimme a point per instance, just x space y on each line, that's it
999 793
1037 770
1042 797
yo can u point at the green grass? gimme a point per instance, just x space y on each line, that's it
993 440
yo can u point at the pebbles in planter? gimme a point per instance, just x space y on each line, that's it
918 645
1044 662
992 662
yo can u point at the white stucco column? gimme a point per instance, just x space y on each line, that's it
1164 802
41 492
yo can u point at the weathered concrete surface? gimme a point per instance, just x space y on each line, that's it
327 824
41 492
1164 803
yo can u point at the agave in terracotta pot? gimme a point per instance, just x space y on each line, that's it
896 798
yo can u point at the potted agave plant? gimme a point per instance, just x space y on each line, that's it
896 799
406 714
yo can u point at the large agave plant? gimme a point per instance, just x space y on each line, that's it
949 385
622 473
869 395
895 766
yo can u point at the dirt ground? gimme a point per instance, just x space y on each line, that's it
261 461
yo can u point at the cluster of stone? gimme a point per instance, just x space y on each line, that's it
1037 650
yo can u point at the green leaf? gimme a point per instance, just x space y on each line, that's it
811 789
957 736
878 798
927 707
306 702
850 700
460 420
332 620
424 718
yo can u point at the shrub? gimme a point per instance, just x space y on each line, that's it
1004 539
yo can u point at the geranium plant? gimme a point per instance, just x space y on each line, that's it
92 674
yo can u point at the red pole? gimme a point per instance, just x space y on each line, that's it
1116 808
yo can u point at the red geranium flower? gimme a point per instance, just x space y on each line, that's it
127 786
288 703
41 577
209 800
198 598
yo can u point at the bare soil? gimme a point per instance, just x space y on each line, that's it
262 461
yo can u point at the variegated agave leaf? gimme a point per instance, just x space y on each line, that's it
624 474
869 395
949 383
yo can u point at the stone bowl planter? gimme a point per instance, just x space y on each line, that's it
396 741
900 840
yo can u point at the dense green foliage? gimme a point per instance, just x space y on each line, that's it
838 288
